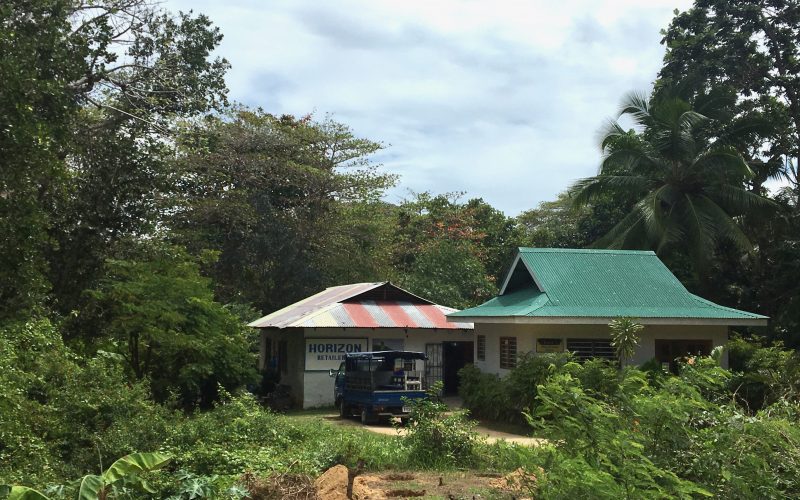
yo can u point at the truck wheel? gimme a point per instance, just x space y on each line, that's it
366 417
344 411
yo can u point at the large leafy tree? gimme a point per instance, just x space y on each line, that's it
449 251
749 50
267 193
752 49
35 114
157 311
561 224
687 188
89 91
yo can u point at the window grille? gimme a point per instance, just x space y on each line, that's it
508 352
591 348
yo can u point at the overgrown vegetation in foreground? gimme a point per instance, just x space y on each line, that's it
640 433
634 433
62 415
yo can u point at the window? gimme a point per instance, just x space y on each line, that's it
508 352
668 351
388 344
481 347
591 348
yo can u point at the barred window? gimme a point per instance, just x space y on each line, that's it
508 352
591 348
481 347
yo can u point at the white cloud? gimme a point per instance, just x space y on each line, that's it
499 99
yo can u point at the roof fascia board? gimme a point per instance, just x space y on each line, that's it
577 320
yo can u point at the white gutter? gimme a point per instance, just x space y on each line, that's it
578 320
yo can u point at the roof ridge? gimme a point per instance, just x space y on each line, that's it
356 284
584 250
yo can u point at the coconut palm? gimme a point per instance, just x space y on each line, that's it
687 190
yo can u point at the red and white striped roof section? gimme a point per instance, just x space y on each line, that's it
362 305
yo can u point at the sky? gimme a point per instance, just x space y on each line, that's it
501 100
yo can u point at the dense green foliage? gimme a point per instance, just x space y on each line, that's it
144 219
667 437
636 433
685 188
160 313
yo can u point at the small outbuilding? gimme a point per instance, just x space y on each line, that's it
556 300
302 341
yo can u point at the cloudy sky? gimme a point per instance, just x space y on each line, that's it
499 99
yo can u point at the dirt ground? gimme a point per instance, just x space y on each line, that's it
333 485
491 435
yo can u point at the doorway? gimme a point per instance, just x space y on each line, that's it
456 356
668 351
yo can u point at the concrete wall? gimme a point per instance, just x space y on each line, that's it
312 389
526 336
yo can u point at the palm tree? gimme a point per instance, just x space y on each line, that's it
687 189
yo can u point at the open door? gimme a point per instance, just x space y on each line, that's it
456 356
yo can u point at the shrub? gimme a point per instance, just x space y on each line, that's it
484 394
763 374
61 414
437 437
504 399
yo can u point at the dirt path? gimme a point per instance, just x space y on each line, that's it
335 484
491 435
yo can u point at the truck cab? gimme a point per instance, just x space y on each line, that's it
377 385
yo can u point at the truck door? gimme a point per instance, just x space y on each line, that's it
338 383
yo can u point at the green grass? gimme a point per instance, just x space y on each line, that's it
312 412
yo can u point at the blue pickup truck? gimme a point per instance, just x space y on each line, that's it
375 385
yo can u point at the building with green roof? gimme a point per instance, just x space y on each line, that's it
563 299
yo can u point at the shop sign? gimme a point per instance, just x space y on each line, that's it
324 354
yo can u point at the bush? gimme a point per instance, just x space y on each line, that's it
763 374
437 437
484 394
61 414
679 437
504 399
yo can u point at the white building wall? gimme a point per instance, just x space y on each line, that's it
526 336
312 388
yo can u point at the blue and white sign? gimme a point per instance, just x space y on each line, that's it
324 354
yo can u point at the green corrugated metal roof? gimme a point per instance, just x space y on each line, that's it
599 283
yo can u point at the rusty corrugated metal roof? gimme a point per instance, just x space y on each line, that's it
340 307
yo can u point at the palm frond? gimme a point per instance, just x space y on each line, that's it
743 128
723 162
628 231
738 200
609 132
656 209
627 157
585 190
700 229
724 227
637 105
